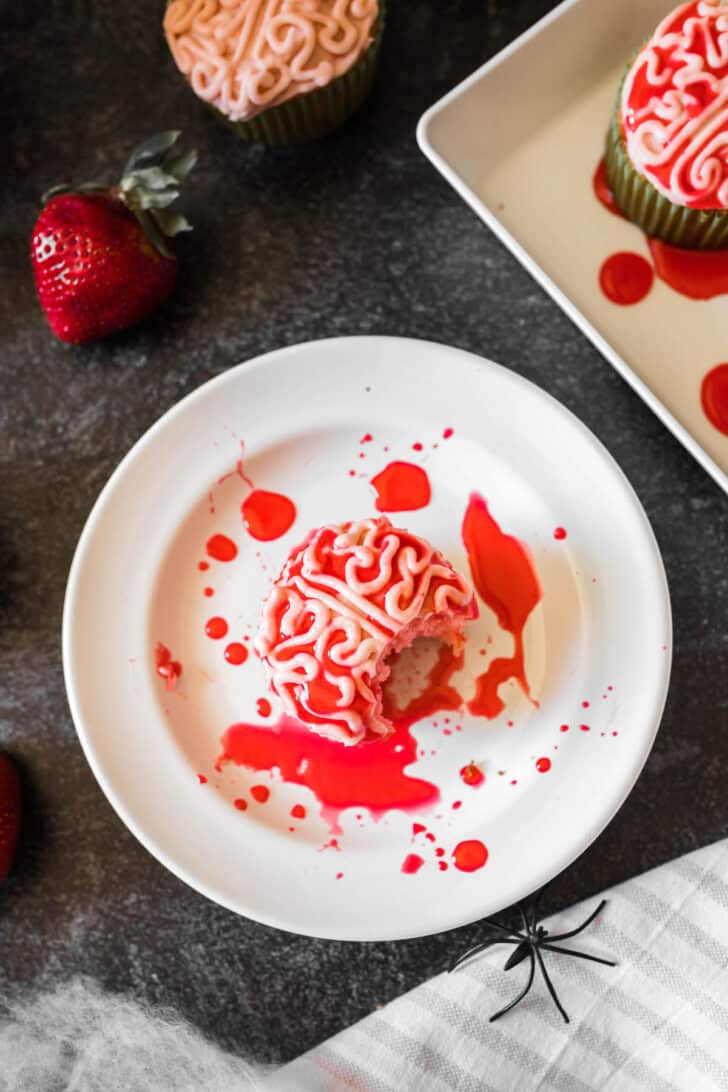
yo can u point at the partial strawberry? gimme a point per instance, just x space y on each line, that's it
101 257
9 813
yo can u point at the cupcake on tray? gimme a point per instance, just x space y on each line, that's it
279 71
667 148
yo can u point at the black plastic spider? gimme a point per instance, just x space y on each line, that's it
529 945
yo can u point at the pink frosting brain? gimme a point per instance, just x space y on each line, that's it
674 107
243 56
346 597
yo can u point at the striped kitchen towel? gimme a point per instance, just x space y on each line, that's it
657 1022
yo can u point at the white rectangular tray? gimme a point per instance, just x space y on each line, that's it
520 140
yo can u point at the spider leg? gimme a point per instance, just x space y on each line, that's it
521 995
478 949
579 928
579 955
550 986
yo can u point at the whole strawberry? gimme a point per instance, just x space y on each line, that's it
9 813
100 255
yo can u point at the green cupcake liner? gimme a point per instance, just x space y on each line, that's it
316 113
694 229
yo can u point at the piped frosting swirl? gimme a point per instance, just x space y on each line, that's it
674 106
244 56
338 607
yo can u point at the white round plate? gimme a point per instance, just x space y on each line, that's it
601 634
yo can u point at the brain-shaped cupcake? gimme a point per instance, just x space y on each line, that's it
346 599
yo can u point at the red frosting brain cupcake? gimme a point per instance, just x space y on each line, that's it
346 599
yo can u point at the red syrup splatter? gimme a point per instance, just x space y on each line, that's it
240 804
603 190
543 765
236 654
216 628
339 875
202 779
260 793
418 828
560 533
469 856
401 487
472 775
506 581
221 548
267 515
564 728
626 278
714 397
411 864
298 811
370 775
417 446
447 433
366 438
262 707
167 668
699 274
203 566
208 592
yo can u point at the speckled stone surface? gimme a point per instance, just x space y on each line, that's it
355 235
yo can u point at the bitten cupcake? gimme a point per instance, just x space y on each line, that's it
279 71
667 148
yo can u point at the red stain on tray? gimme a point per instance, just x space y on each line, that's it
166 667
470 855
401 487
603 191
266 515
714 397
506 581
626 278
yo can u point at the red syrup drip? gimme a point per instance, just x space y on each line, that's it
370 775
298 811
267 515
240 804
401 487
543 765
216 628
560 533
167 668
603 190
411 864
418 828
203 566
260 793
699 274
472 775
714 398
221 548
202 779
366 438
626 278
506 581
263 707
236 654
469 856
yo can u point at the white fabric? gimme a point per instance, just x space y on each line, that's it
657 1022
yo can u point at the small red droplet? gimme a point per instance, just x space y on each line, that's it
626 278
352 473
236 654
585 728
412 863
585 705
367 438
263 707
221 548
208 592
615 733
202 779
260 793
560 533
298 811
442 865
469 856
241 805
439 852
203 566
457 804
472 775
543 765
447 433
216 628
417 447
339 875
418 828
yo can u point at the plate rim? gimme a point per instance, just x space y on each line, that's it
149 842
492 221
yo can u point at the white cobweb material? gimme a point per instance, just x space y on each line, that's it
79 1039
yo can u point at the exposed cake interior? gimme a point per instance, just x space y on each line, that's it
347 600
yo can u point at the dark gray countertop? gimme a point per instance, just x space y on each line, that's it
357 234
